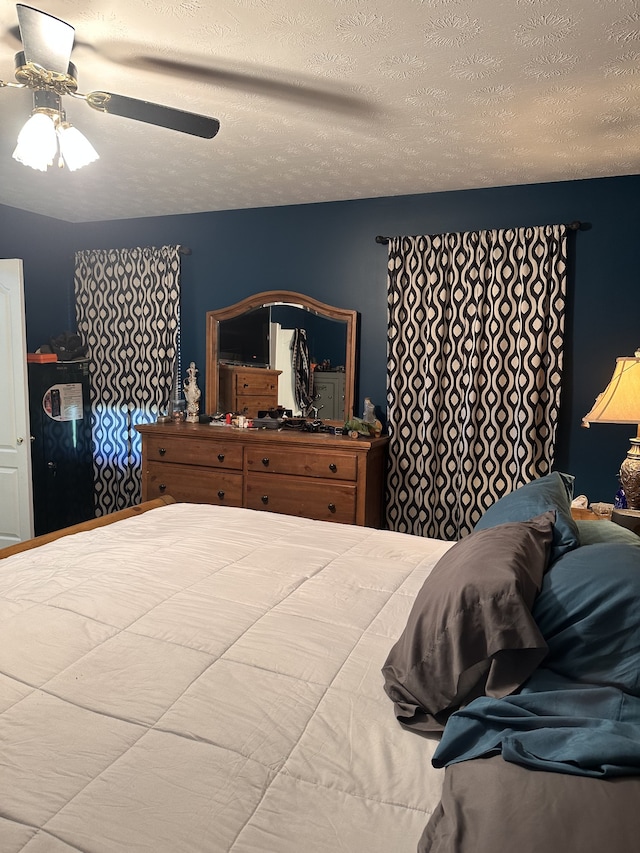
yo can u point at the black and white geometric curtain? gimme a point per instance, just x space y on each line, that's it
127 311
475 354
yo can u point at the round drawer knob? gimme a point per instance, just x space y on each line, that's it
221 493
162 487
333 467
220 457
265 499
162 451
332 507
265 461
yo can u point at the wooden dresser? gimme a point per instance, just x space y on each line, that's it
247 390
313 475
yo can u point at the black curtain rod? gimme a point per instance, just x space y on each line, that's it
184 250
576 225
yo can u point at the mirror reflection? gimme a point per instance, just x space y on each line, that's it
295 353
306 350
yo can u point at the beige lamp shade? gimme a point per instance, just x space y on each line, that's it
619 403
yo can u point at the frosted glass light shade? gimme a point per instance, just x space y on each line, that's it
75 148
37 143
44 134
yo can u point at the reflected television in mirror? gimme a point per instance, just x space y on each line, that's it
245 340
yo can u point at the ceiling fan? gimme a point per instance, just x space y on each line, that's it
45 67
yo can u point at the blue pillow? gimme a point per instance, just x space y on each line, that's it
587 611
597 532
552 492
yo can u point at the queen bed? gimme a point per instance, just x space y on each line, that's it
202 679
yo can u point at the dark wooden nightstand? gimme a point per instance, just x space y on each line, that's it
629 518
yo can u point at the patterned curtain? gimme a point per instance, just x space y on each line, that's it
127 310
475 337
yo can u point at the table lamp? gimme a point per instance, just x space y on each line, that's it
619 403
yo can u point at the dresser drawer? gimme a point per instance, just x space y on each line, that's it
193 484
328 464
251 405
304 498
193 451
256 382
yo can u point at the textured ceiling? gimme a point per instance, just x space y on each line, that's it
323 100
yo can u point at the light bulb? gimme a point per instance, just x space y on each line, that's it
37 142
75 148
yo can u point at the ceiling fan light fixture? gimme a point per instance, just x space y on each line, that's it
48 134
44 66
37 143
75 148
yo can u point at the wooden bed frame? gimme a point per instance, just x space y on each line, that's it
102 521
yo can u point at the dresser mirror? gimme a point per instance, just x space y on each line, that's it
259 333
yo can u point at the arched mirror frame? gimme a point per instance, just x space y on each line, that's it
273 298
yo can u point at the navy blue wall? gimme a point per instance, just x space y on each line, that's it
43 246
328 251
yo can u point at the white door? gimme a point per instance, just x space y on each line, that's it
281 360
16 500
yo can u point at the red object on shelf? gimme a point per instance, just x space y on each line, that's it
41 357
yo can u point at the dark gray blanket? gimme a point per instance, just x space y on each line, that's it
490 805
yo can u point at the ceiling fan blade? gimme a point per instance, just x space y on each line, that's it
254 79
260 81
47 41
133 108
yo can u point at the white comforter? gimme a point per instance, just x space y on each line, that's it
208 679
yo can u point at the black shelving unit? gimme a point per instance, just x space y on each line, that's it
61 448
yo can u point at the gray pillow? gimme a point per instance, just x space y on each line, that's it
470 631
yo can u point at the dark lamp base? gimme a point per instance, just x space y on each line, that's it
630 475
